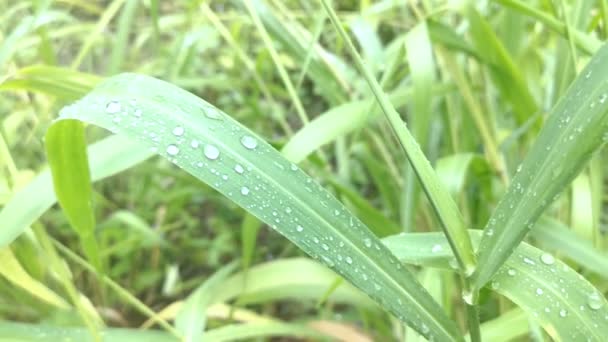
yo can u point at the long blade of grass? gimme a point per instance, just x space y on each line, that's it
444 206
575 129
72 182
567 306
213 147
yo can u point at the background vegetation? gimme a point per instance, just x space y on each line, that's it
475 82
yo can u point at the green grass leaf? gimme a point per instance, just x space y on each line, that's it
575 129
213 147
567 306
67 155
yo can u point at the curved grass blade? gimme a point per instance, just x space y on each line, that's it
575 129
567 306
72 182
191 318
213 147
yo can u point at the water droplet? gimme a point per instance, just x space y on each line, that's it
325 247
588 74
594 301
349 260
244 191
113 107
178 131
529 262
603 98
539 291
436 248
194 144
211 152
294 167
172 150
299 228
212 113
547 259
563 313
238 169
511 272
367 242
249 142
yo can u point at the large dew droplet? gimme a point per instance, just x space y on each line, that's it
172 150
249 142
211 152
594 301
113 107
547 259
212 113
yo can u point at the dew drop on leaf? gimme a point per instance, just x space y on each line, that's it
194 144
299 228
211 152
349 260
172 150
594 301
178 131
244 191
238 169
547 259
249 142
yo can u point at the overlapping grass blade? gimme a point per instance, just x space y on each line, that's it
567 306
575 129
213 147
72 182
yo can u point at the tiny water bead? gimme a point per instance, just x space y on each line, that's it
195 144
211 152
113 107
178 131
299 228
349 260
244 191
563 313
172 150
249 142
239 169
539 291
436 248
